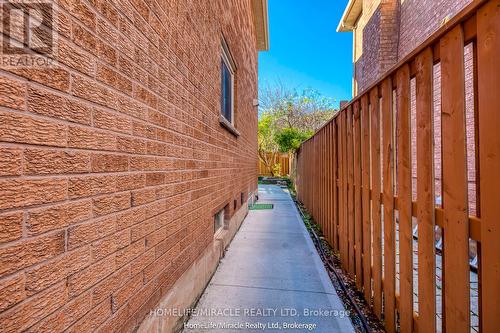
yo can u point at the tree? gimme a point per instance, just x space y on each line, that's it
267 146
287 118
289 139
306 111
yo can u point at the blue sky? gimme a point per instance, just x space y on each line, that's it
306 51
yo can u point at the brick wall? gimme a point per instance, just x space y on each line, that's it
365 45
420 18
113 161
387 30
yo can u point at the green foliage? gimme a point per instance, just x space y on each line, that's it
289 139
306 111
276 169
266 133
267 146
287 118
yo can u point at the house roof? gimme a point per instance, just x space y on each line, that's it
261 21
350 16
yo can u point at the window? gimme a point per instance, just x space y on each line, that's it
219 221
227 84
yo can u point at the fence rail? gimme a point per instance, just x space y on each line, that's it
370 174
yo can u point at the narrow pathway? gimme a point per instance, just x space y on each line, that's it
271 279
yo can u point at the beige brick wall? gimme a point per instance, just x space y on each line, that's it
113 161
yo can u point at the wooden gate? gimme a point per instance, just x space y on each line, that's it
284 165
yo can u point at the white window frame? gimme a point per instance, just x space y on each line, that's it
228 61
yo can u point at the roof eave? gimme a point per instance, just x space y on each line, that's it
261 21
350 16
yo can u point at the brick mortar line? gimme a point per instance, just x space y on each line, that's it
27 209
99 14
108 109
80 175
108 132
27 146
68 93
118 31
64 253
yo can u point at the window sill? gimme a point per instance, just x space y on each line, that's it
228 126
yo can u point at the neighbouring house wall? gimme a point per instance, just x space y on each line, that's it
113 161
375 48
386 32
421 18
366 44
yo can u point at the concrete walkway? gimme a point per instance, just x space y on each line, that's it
271 279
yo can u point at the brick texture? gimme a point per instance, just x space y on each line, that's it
113 161
386 32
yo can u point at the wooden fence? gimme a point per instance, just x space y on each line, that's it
284 165
355 177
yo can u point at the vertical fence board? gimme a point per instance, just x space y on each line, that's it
321 175
324 182
488 49
404 200
318 175
340 176
350 192
344 193
325 178
330 184
377 227
308 180
327 182
367 230
388 201
336 208
456 220
340 196
311 174
313 179
315 156
357 195
340 193
310 168
425 193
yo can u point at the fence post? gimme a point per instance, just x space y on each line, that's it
488 49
